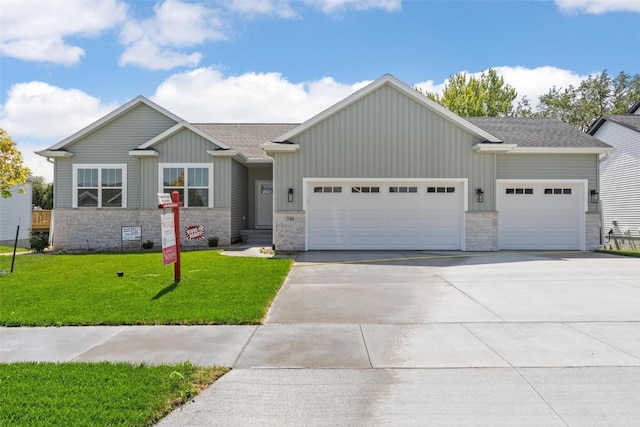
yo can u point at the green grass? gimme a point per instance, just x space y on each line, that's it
9 249
96 394
630 253
57 290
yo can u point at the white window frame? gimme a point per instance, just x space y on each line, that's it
186 166
99 167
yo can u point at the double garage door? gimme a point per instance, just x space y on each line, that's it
385 215
541 215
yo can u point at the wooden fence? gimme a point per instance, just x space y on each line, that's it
40 220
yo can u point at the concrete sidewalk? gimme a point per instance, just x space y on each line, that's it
404 338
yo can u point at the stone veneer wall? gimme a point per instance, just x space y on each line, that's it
592 231
481 231
90 229
289 232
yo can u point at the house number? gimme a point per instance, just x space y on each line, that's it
290 218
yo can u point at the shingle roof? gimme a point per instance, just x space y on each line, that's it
540 132
631 121
246 137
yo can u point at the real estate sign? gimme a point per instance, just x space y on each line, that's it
132 233
194 232
169 248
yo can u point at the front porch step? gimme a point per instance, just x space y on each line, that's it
257 236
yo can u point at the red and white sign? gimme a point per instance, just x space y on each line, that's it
169 248
194 232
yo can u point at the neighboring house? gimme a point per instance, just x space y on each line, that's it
14 211
385 168
620 171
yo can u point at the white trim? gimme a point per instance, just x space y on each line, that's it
307 183
54 153
271 147
402 87
493 148
111 117
561 150
99 166
143 153
584 200
177 128
208 166
227 153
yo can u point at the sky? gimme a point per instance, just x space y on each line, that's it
66 63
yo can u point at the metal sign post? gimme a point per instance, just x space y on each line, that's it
173 201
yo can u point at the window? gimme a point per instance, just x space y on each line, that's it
557 191
441 189
99 186
327 189
192 180
403 189
365 189
519 191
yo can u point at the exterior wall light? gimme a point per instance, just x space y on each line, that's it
479 195
594 196
290 195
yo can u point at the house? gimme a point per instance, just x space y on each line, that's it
385 168
620 171
16 211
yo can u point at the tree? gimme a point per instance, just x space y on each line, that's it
12 168
595 96
469 96
42 193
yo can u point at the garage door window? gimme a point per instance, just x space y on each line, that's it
365 189
327 189
557 191
403 189
441 189
519 191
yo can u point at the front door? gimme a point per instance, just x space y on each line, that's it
264 204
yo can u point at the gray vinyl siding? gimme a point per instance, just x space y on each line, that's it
111 144
384 135
239 201
183 147
263 173
620 178
550 166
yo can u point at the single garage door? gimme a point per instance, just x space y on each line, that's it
384 215
540 215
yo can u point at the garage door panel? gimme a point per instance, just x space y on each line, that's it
548 217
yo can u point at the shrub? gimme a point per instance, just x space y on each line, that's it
148 244
213 242
39 241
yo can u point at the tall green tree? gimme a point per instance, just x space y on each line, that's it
487 95
42 193
12 168
595 96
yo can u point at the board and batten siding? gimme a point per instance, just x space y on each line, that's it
111 144
14 211
262 173
386 134
620 178
239 202
550 166
183 147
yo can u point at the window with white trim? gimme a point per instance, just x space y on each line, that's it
191 179
99 186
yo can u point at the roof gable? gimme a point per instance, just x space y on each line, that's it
109 118
177 128
387 79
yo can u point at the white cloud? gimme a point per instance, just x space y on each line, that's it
280 8
598 7
330 6
205 95
529 82
155 43
35 30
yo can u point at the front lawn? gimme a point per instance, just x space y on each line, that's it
628 252
96 394
9 249
57 290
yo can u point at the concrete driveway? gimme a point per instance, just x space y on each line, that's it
417 338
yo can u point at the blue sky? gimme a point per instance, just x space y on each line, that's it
66 63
